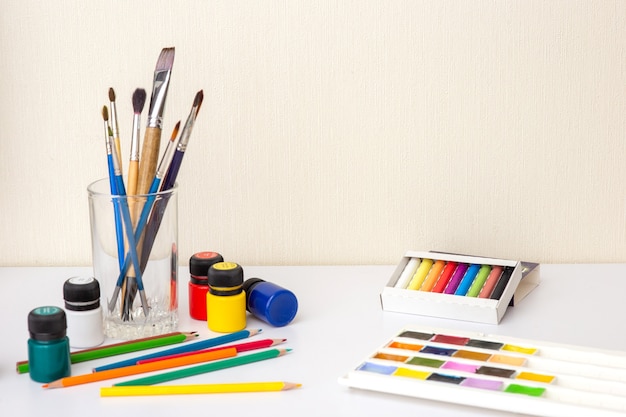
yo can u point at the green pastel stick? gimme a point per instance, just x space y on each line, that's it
120 348
479 281
204 368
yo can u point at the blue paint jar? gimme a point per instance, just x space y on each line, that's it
269 302
48 346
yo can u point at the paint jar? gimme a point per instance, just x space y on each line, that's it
48 346
269 302
83 311
226 301
137 281
199 265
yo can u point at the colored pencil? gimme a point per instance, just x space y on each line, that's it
139 369
120 348
152 136
188 347
241 347
205 368
197 389
170 179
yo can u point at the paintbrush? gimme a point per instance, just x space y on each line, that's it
128 285
115 125
138 99
152 137
125 212
170 179
119 234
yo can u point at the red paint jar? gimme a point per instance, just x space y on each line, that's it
199 265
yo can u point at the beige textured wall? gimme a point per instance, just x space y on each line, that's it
332 132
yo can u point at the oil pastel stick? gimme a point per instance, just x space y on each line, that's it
479 281
502 283
420 274
456 278
467 280
433 276
445 276
491 282
407 273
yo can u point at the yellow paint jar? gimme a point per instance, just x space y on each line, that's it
226 300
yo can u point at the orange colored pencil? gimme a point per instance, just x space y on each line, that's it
138 369
241 347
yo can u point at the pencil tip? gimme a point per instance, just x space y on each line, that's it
111 94
291 385
105 113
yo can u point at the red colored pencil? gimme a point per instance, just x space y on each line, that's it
240 347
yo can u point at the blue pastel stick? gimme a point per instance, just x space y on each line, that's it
187 347
467 280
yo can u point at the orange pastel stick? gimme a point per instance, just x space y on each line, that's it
433 276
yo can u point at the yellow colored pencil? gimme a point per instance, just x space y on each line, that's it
197 389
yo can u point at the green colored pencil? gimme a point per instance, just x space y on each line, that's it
120 348
208 367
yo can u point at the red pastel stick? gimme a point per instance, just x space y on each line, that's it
446 274
240 347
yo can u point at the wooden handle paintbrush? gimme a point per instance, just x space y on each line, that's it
152 137
139 100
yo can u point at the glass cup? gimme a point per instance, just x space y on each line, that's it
138 283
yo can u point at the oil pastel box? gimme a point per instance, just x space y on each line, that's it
457 286
497 372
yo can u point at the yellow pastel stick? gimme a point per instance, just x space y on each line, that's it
136 390
420 274
433 276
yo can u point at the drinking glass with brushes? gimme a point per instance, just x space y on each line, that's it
134 217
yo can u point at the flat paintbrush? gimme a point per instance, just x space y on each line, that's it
170 179
152 137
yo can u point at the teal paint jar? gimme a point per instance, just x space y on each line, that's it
48 346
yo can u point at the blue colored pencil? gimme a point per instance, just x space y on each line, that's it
188 347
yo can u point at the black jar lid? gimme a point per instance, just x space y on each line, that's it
225 278
81 293
47 323
199 265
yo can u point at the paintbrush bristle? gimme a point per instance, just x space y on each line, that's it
175 131
105 113
139 99
166 60
111 94
197 102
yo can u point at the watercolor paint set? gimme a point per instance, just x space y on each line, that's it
457 286
497 372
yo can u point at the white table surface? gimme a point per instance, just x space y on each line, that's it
339 323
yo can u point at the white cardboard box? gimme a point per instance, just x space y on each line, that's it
457 307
